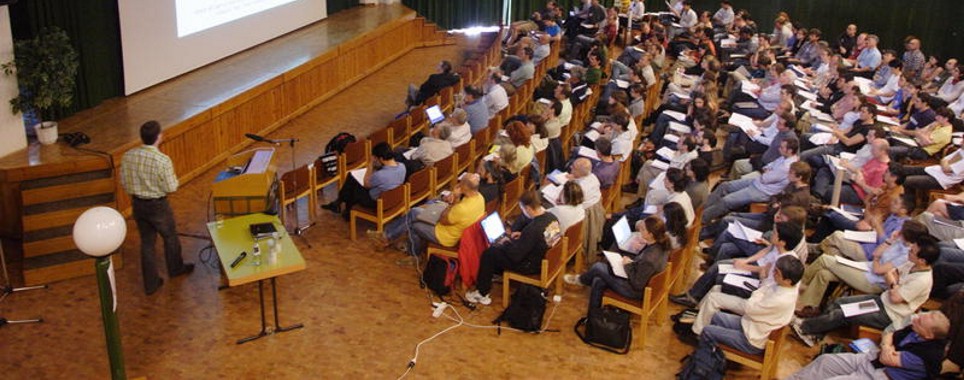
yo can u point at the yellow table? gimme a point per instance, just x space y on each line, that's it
232 237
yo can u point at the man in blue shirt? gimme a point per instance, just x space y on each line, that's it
382 174
474 106
869 58
914 352
733 195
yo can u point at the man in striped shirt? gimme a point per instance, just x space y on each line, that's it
148 176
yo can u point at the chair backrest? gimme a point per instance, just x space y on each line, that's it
447 95
394 199
421 185
381 135
356 152
418 117
399 129
541 157
445 170
659 284
296 181
465 153
555 259
676 257
511 194
574 236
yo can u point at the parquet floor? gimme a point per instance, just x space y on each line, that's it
363 314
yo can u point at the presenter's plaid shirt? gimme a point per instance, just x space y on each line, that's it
147 173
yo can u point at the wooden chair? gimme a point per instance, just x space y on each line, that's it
767 362
323 179
445 172
421 186
448 98
690 253
466 154
390 204
541 157
653 305
399 128
419 121
296 184
512 192
574 236
383 135
355 156
553 265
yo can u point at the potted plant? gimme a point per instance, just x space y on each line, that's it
46 69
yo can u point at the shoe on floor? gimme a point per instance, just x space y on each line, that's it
687 336
476 297
153 290
808 339
572 279
683 299
187 268
333 207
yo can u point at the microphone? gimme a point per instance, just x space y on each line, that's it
255 137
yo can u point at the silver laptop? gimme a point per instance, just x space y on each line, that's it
493 228
431 213
623 234
434 114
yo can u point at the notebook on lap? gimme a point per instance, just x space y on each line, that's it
493 228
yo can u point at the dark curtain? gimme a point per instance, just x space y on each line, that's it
936 22
339 5
94 28
457 14
521 9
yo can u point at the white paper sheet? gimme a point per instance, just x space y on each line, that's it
864 266
616 262
741 281
859 308
860 236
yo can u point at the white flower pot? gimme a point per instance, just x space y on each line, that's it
46 132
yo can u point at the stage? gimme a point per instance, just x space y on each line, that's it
204 113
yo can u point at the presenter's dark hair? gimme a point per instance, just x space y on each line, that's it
150 132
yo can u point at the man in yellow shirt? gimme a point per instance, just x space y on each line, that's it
148 176
464 206
929 140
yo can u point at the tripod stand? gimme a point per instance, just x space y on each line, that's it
298 230
7 289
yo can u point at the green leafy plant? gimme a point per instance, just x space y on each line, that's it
46 69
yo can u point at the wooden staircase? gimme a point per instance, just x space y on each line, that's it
39 213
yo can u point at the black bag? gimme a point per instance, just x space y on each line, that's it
338 143
707 362
606 328
434 276
526 308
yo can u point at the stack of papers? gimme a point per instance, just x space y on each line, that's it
408 153
558 177
859 308
592 135
865 84
750 284
551 193
679 116
905 140
616 262
680 128
621 83
739 231
860 236
359 175
588 153
888 120
666 153
743 122
661 165
846 214
821 138
728 268
958 167
859 265
822 127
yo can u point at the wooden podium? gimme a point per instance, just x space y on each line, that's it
246 185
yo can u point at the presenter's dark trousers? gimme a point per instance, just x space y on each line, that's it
153 217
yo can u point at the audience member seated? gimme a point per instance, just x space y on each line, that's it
877 205
865 182
928 141
492 180
522 250
458 123
948 207
650 257
733 195
434 147
435 83
934 177
768 309
686 151
383 173
476 109
827 268
495 98
698 188
581 173
568 208
907 289
521 139
606 169
912 352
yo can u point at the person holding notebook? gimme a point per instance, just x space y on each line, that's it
532 234
441 222
908 287
634 271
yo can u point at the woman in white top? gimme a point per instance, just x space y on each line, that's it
459 125
673 189
568 209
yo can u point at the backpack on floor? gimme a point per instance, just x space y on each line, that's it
606 328
338 143
707 362
526 308
437 273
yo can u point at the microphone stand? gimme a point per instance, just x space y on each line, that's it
299 230
7 289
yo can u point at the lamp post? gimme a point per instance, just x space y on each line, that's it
98 232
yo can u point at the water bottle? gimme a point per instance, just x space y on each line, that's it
256 255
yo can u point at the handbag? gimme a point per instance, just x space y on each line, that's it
607 329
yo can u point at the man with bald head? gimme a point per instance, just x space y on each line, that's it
582 174
847 42
464 206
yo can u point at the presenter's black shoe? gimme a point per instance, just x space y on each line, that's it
185 269
154 289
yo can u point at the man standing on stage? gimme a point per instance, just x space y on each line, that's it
148 176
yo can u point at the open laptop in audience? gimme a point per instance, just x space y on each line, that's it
623 234
434 114
494 229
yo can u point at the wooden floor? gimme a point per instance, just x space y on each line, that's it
363 314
